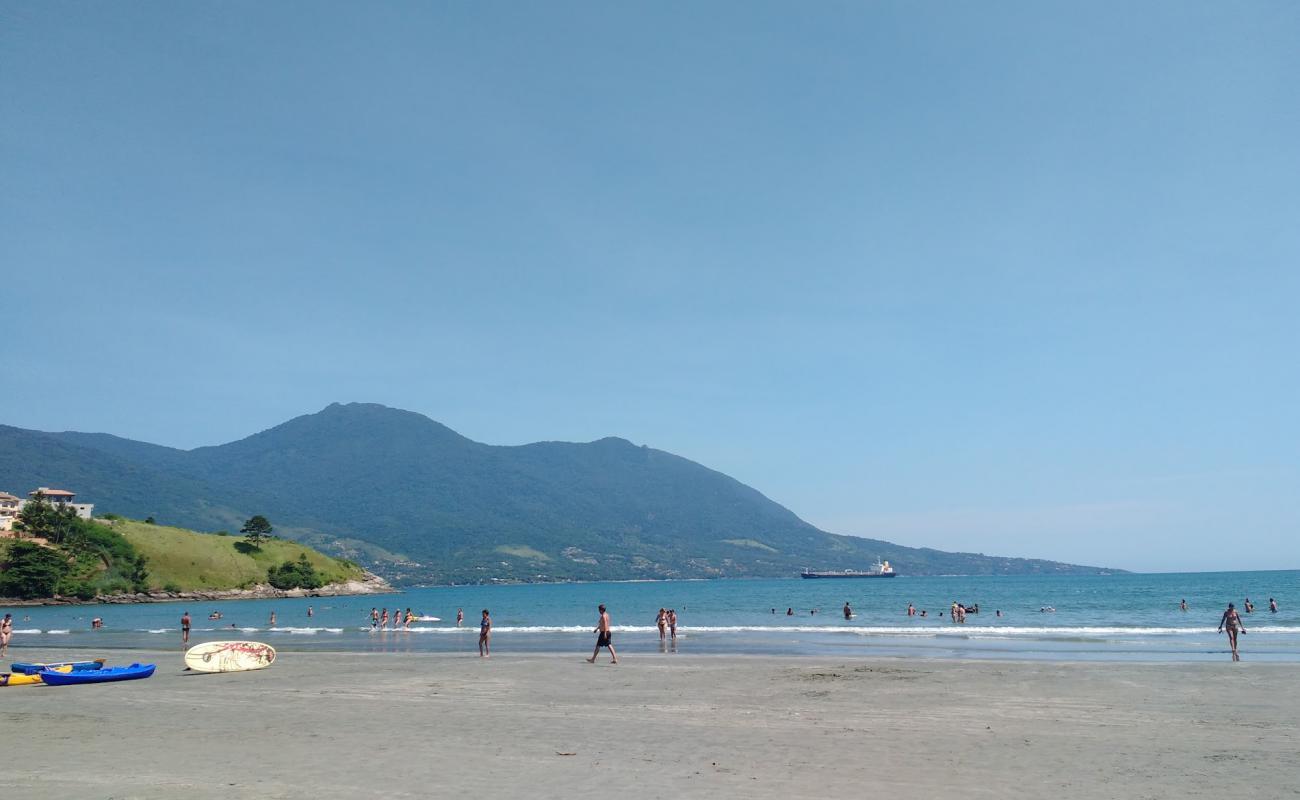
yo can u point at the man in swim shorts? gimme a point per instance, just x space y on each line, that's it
604 638
185 628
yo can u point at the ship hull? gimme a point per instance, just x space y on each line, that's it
832 575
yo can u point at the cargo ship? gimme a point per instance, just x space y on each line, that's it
881 569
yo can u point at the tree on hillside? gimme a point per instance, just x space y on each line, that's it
39 518
256 530
31 571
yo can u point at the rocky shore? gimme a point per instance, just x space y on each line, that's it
370 584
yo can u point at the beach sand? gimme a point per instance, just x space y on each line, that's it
340 725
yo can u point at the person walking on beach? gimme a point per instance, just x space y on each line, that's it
460 616
485 636
662 622
1232 621
672 623
604 637
185 628
383 620
6 632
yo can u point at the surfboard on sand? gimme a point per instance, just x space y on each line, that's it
229 656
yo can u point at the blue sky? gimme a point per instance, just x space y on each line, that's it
1018 278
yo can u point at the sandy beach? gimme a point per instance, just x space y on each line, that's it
348 726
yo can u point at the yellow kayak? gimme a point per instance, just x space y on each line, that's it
18 679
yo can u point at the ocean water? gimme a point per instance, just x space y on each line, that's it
1096 617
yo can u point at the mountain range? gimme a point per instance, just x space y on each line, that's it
419 503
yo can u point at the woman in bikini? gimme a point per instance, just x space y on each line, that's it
662 622
1232 621
485 636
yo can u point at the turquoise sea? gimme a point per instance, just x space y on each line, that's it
1096 617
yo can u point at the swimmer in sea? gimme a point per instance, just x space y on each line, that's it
789 612
1183 605
1232 621
1250 607
911 610
1272 605
848 612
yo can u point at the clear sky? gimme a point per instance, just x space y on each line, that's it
1014 277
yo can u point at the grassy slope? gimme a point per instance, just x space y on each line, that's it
193 561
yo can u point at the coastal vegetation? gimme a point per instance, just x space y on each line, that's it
88 559
65 555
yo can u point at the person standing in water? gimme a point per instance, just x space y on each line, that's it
374 618
1250 607
661 622
1272 605
1232 621
604 637
6 632
911 610
460 616
272 622
383 620
1183 605
310 612
485 636
672 624
848 612
185 628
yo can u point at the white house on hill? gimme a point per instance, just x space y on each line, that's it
62 498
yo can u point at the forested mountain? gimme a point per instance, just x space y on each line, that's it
418 502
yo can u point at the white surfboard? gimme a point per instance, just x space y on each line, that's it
229 656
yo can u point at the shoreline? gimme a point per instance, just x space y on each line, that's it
369 584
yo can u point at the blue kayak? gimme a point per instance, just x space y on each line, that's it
131 673
24 668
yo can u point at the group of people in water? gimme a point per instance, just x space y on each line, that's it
381 620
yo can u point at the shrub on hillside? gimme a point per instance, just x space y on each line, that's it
298 574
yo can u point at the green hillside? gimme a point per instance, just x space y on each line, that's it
79 558
416 502
194 561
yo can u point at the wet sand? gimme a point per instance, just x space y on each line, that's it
355 726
